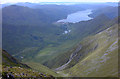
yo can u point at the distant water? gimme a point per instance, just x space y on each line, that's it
77 17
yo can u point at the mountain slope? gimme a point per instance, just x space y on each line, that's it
15 68
29 34
78 32
102 61
109 11
8 60
42 68
25 28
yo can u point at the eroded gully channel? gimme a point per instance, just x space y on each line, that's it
74 54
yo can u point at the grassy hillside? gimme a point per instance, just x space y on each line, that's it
8 60
42 69
30 30
40 41
31 34
102 61
78 32
14 68
68 41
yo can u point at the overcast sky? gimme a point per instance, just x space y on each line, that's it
36 1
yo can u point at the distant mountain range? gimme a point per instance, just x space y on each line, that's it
28 4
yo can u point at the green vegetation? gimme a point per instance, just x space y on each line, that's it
8 60
111 12
78 32
42 69
14 68
33 36
103 60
